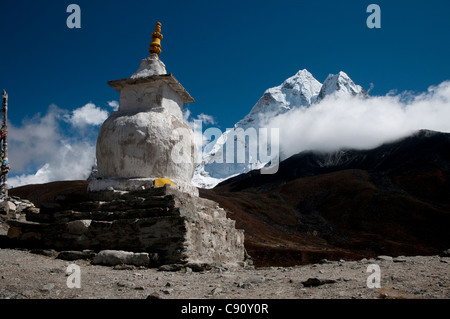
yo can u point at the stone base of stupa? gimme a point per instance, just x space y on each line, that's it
172 227
131 184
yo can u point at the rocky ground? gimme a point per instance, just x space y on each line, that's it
26 275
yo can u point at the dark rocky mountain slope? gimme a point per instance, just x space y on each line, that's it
394 200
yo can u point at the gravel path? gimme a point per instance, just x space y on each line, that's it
24 275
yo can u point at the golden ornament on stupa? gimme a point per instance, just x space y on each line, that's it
155 46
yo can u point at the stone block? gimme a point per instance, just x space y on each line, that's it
117 257
7 207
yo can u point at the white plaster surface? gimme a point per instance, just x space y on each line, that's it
141 145
145 97
151 65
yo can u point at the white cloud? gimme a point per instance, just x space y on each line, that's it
187 115
114 105
87 115
363 123
71 162
206 119
35 139
200 139
42 149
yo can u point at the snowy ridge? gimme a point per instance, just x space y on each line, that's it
300 90
340 85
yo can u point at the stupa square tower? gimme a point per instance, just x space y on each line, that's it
135 145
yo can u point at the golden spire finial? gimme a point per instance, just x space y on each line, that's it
155 46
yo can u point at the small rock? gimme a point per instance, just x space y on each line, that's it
172 267
394 278
124 267
21 207
28 293
8 295
445 253
140 288
167 291
216 291
169 284
384 258
32 210
255 280
399 259
57 271
244 285
71 255
45 252
47 287
314 282
154 295
125 284
197 267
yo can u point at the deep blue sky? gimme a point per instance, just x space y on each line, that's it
225 53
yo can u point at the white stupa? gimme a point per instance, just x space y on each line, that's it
147 139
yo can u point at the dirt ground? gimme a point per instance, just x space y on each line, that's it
26 275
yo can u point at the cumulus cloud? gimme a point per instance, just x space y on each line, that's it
206 119
70 162
186 115
35 139
354 122
44 149
114 105
87 115
200 139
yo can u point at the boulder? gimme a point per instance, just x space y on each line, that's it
7 207
76 255
117 257
78 227
314 282
384 258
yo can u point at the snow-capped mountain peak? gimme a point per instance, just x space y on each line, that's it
340 85
299 90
